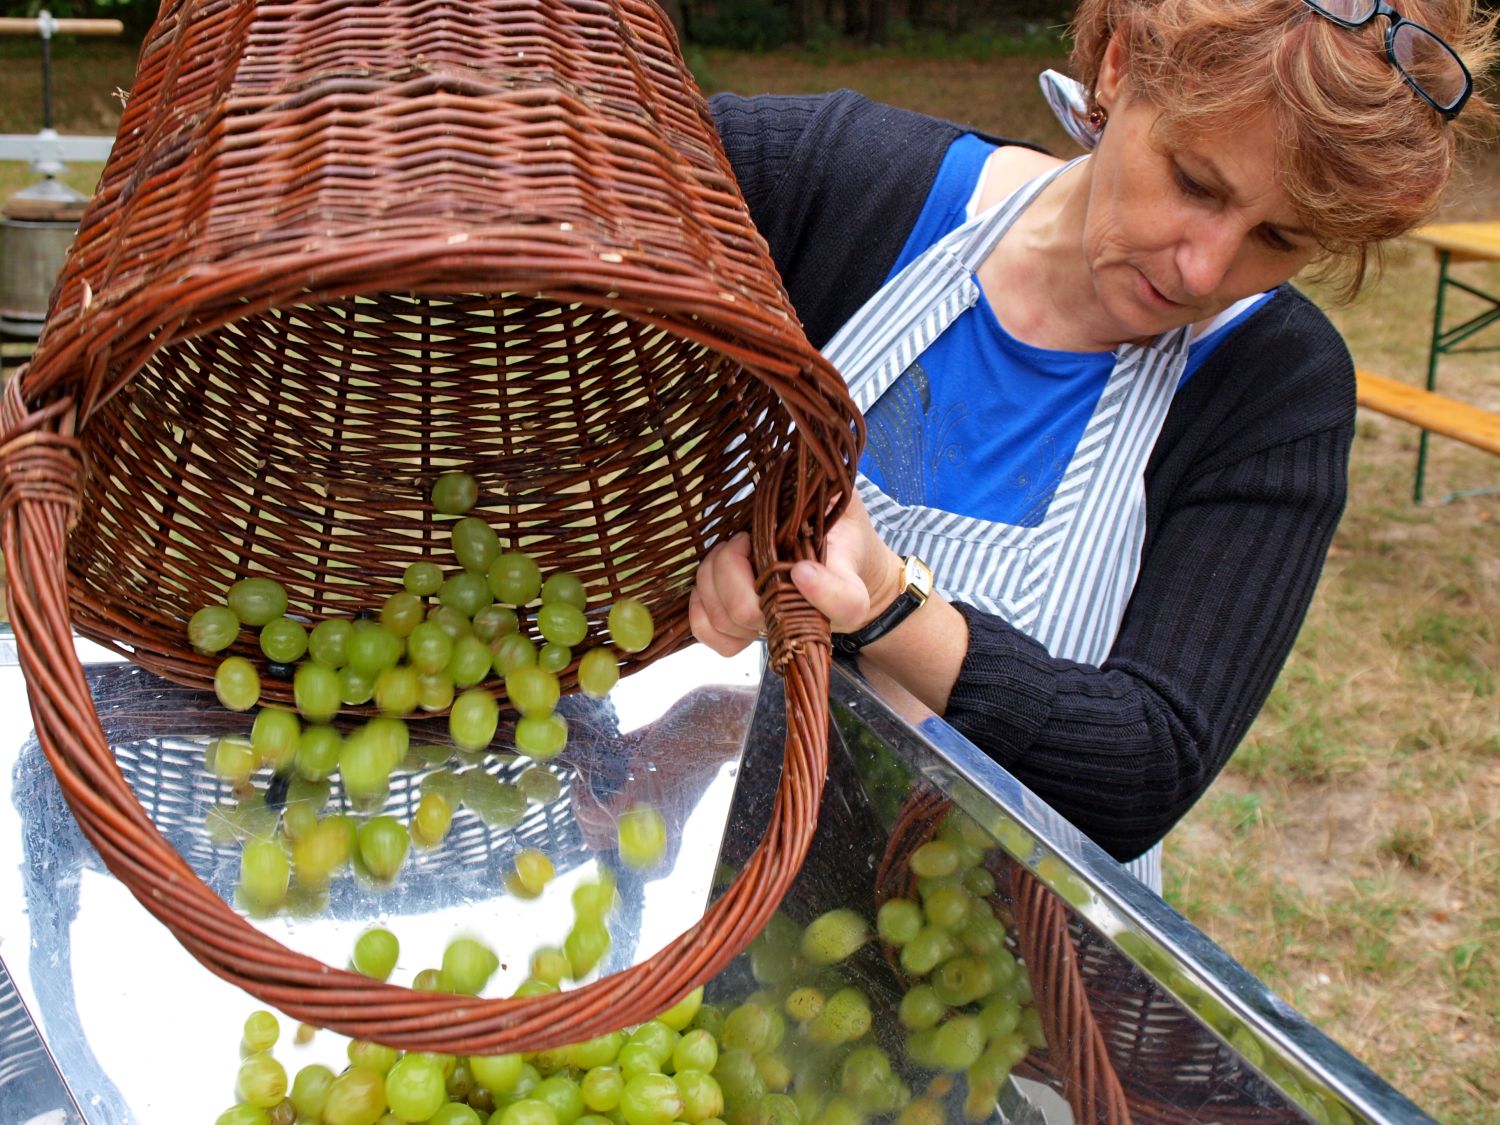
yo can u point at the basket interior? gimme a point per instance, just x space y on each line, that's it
302 443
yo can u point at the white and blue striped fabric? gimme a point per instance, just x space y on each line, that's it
1065 582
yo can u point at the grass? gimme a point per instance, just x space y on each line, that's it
1350 854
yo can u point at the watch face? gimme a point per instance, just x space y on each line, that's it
918 577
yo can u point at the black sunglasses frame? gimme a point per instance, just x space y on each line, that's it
1394 20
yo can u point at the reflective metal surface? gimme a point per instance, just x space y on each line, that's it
139 1032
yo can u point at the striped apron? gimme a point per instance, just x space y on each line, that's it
1065 582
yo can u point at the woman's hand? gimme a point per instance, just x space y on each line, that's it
860 577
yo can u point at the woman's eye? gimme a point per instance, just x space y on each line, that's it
1277 241
1189 186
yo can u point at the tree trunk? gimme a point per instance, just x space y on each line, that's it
856 18
879 31
673 10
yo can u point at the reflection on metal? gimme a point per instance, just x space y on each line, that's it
118 1001
31 1089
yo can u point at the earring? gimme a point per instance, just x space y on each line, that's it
1098 118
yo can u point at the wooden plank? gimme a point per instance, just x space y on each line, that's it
1465 242
1436 413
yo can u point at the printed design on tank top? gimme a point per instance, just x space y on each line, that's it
907 443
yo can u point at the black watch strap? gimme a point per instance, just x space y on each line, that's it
916 587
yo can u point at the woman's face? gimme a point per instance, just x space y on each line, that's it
1176 233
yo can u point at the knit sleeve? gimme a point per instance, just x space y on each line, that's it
1124 750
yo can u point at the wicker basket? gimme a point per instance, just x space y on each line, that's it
337 250
1118 1049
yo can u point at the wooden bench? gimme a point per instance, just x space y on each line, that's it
1429 410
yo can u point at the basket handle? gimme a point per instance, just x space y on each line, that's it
41 479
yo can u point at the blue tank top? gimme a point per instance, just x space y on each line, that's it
983 424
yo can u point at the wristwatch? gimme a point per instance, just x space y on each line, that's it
916 588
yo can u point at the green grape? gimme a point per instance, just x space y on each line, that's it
383 844
803 1004
563 1095
477 547
430 822
454 622
535 988
962 980
309 1091
1006 970
957 1043
429 647
513 651
934 860
598 672
642 837
256 601
514 578
926 950
356 1097
283 640
898 921
373 648
456 1113
319 852
213 629
585 946
920 1008
365 767
701 1096
600 1051
923 1111
237 683
454 493
261 1081
265 873
630 625
999 1016
534 870
865 1075
681 1014
261 1031
696 1050
377 1056
562 623
416 1088
495 621
541 736
541 787
328 643
550 964
657 1036
317 753
637 1059
468 965
376 952
979 882
496 803
554 658
746 1028
317 691
355 688
949 908
275 736
499 1074
1030 1028
601 1088
232 759
402 612
474 719
526 1111
397 690
465 592
651 1099
422 579
739 1079
983 933
833 936
243 1114
593 901
435 691
428 980
532 689
470 663
566 588
845 1017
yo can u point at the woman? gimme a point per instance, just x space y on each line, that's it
1097 411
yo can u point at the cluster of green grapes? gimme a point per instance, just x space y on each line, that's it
802 1048
416 656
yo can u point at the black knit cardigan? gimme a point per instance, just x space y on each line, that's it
1243 490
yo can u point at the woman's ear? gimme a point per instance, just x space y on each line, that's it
1112 77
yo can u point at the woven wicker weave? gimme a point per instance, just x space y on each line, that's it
339 248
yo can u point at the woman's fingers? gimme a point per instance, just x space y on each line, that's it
723 610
